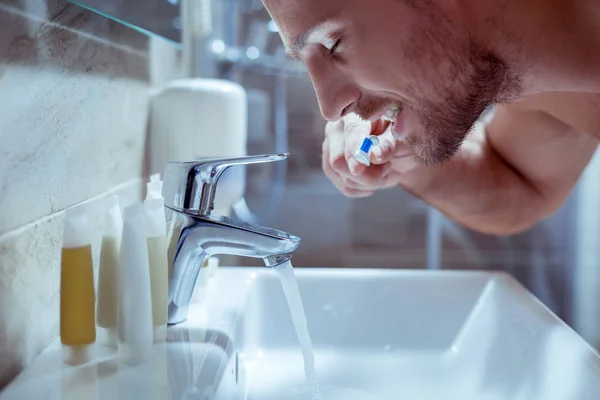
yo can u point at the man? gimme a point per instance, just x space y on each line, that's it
433 67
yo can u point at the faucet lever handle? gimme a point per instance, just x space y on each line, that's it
191 186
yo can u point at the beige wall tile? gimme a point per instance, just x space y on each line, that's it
74 89
74 108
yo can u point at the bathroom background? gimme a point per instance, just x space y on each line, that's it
75 94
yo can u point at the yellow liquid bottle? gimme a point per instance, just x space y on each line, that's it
77 297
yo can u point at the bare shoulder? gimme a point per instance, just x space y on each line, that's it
578 110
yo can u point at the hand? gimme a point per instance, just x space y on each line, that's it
389 160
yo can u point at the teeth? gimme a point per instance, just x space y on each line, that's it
391 113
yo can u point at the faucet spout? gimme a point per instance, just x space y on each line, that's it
189 191
198 237
273 261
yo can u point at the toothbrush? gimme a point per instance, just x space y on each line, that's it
364 151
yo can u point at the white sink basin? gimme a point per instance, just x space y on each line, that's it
413 335
377 334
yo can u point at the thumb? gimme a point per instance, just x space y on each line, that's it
387 143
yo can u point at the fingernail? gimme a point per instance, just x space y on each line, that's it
352 164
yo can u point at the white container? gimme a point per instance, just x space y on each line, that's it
135 306
108 279
199 118
156 236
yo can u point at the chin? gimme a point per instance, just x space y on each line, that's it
433 151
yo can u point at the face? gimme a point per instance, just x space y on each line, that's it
369 57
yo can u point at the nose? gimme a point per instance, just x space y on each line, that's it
335 92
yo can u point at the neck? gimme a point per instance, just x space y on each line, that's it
552 45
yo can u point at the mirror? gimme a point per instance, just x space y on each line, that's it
241 33
160 18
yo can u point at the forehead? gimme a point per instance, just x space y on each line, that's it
296 17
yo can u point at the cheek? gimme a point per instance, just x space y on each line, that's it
383 67
410 80
413 57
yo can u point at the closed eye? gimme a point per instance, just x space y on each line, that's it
333 48
332 41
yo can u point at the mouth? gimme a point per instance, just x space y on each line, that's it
388 114
394 115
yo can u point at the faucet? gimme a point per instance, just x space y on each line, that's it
189 191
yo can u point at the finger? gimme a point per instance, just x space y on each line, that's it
337 179
386 148
355 168
350 129
388 181
338 133
335 143
354 134
371 179
342 186
355 193
334 126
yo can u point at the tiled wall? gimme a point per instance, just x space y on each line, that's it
73 114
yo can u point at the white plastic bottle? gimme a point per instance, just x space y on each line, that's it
156 236
135 307
106 311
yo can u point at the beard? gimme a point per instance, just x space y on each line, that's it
485 80
469 78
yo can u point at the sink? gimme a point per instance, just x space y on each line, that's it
390 334
173 368
377 334
194 361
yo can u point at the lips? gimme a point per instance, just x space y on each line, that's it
393 115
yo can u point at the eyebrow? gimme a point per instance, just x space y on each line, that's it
295 48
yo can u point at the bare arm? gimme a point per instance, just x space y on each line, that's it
514 172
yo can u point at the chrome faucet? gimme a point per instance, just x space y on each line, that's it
189 191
